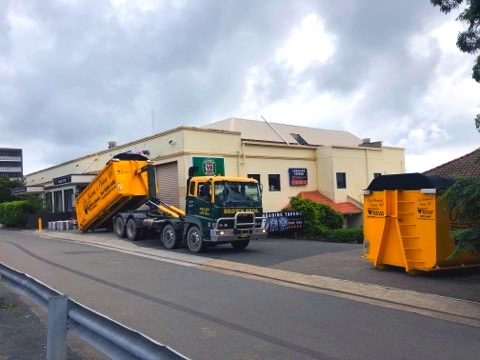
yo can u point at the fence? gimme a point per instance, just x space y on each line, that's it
110 337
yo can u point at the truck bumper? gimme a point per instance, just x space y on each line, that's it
228 235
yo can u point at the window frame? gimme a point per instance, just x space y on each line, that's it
272 187
341 182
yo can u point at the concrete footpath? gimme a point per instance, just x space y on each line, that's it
336 273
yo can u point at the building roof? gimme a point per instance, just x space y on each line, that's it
274 132
465 166
342 207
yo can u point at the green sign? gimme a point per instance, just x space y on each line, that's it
209 166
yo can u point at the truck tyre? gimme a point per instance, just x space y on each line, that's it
119 227
240 244
133 233
195 240
169 237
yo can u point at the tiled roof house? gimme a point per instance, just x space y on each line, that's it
465 166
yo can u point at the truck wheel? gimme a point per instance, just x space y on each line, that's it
119 227
240 245
170 238
194 240
133 233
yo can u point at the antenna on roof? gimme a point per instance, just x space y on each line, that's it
276 132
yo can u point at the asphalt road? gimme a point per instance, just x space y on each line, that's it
217 315
336 260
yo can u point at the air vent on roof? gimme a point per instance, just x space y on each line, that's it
299 139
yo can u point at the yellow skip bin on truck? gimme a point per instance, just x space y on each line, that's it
406 224
120 186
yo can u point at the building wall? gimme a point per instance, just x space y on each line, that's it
268 160
243 157
11 163
158 146
359 165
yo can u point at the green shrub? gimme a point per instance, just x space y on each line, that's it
318 218
354 236
15 213
36 204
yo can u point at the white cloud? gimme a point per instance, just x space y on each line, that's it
81 73
308 43
424 136
430 159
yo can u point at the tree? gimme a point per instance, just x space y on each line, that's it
464 195
6 187
468 41
464 199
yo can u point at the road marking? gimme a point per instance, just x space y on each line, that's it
105 242
435 306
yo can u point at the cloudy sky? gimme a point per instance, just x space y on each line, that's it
75 74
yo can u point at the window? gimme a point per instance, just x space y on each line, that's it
375 175
203 191
235 193
299 139
274 182
48 202
191 191
57 201
341 180
254 176
68 200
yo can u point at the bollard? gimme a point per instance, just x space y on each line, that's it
39 224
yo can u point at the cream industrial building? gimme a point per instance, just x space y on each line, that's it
326 165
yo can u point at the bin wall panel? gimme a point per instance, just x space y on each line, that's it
118 187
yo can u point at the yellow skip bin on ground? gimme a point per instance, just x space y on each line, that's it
406 224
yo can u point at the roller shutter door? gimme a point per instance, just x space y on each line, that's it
167 182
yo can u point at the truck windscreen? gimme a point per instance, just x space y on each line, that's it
237 193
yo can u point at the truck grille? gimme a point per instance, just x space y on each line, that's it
244 220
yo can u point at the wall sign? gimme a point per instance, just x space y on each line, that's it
284 221
62 180
298 176
209 166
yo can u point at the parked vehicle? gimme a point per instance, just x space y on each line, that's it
219 209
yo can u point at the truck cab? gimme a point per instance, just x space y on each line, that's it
227 209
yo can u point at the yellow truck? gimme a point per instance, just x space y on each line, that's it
406 224
219 209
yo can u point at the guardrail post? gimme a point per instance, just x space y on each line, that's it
57 327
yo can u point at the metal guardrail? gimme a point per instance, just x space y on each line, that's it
108 336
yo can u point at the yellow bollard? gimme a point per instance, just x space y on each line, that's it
39 224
